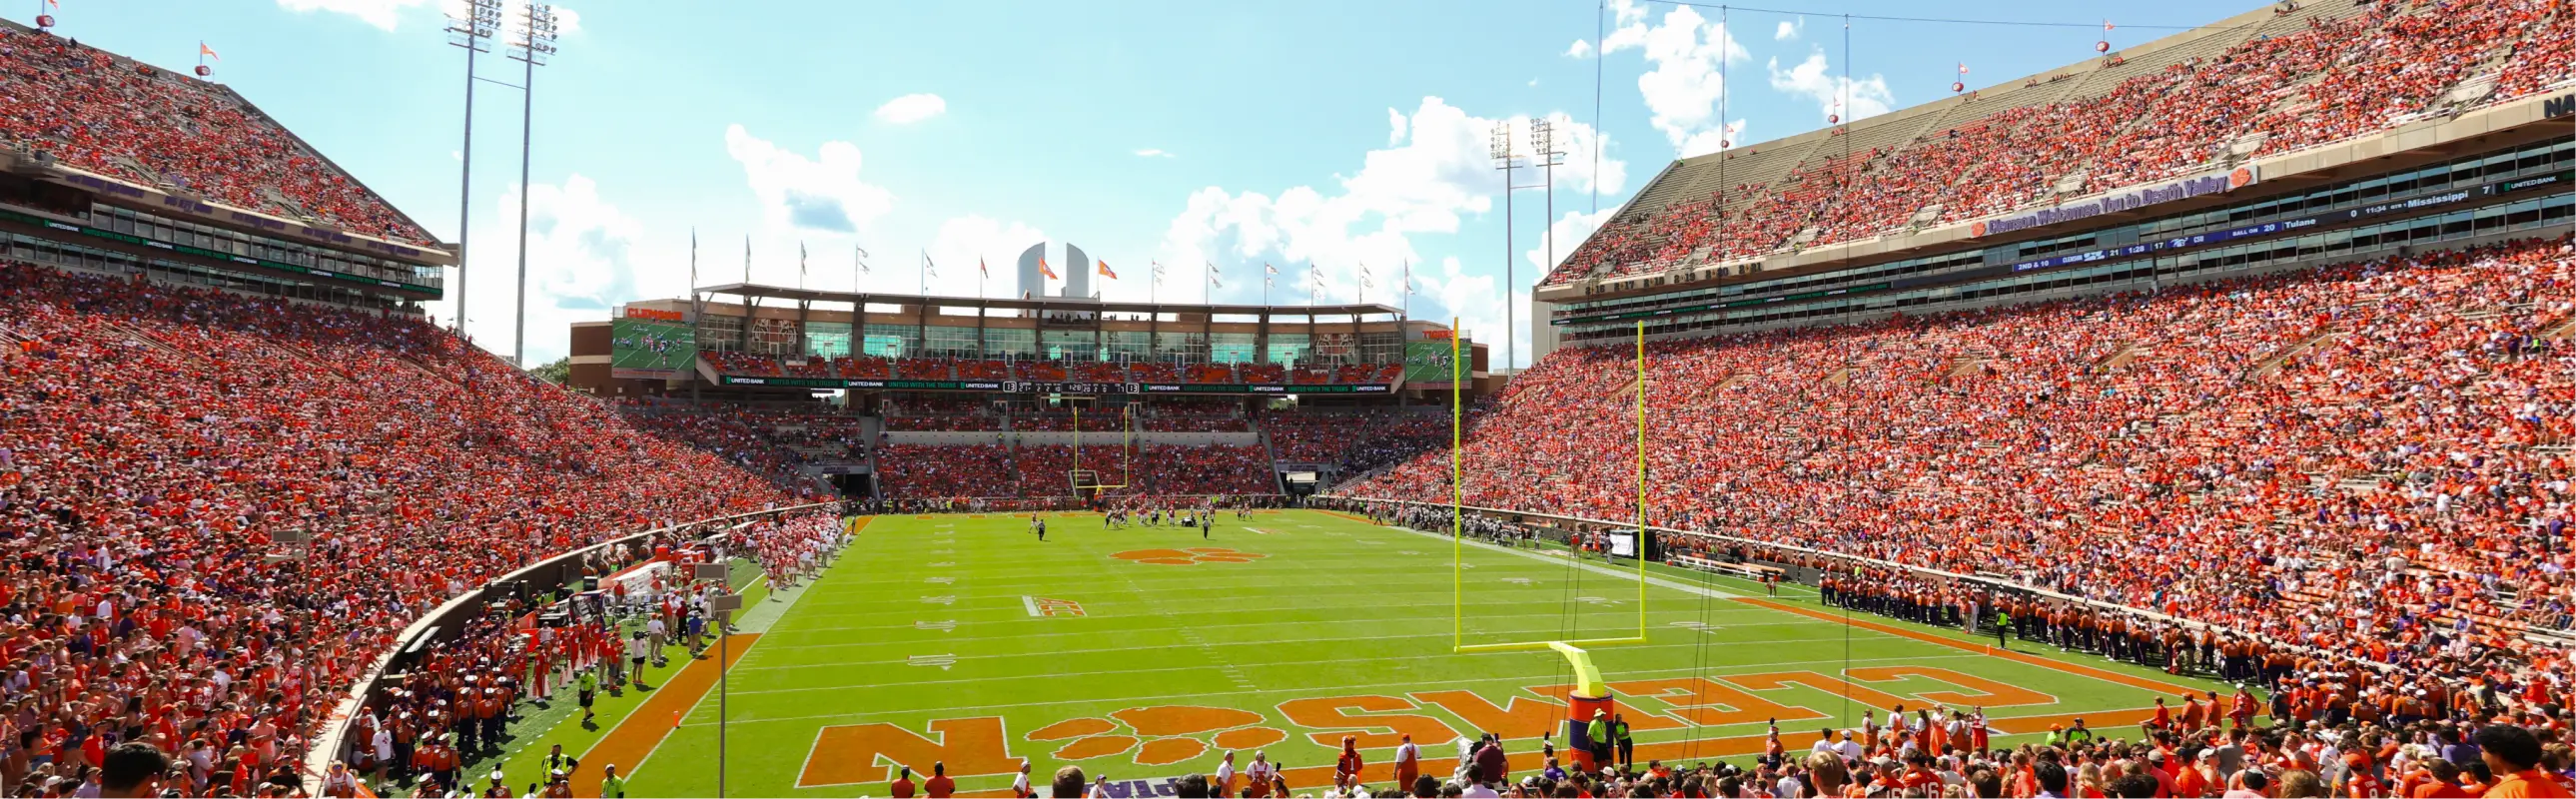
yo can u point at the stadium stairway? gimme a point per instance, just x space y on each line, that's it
148 340
1270 455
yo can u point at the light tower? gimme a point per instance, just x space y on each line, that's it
1543 145
473 31
1500 147
535 43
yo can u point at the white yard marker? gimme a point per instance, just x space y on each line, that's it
948 626
942 661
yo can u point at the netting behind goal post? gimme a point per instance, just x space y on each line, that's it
1457 527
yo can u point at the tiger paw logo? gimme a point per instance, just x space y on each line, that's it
1158 736
1188 557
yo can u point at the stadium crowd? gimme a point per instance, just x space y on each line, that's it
1356 440
763 441
1940 751
104 113
451 709
2362 468
157 448
2331 78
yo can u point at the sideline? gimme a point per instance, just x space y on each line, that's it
635 738
2052 664
2078 669
1659 582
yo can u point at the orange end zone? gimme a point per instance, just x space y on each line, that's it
635 738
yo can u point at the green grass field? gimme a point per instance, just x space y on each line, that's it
1130 653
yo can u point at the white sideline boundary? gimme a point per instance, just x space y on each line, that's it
1586 565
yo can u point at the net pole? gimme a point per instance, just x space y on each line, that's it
1457 504
1641 478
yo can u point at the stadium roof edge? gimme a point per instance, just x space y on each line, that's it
1045 303
443 248
2240 22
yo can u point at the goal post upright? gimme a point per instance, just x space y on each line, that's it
1457 525
1641 479
1126 449
1457 504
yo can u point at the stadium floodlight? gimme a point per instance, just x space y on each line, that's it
534 44
1500 147
472 30
1543 146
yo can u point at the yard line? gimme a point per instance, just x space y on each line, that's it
943 642
1426 685
1713 612
809 688
1004 605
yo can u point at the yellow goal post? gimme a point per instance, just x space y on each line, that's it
1458 523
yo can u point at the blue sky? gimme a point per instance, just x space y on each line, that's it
1184 133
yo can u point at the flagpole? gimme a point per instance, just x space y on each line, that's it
1407 309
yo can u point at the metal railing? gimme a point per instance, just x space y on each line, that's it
448 621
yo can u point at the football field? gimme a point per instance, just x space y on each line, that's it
1144 653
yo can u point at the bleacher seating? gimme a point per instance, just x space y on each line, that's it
2315 73
911 471
176 432
108 114
1357 440
2283 425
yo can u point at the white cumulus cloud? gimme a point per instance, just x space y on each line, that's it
1151 152
962 242
1471 297
1581 48
584 255
385 14
1570 230
1868 96
824 193
1687 52
1790 29
912 108
1435 171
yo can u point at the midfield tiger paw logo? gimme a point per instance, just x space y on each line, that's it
1159 736
1188 557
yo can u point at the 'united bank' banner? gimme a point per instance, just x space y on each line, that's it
2197 185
